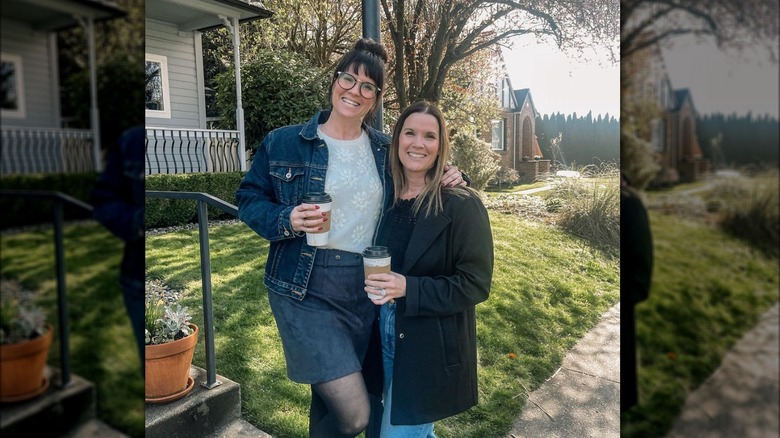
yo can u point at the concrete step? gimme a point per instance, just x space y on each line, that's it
95 429
241 429
54 413
201 413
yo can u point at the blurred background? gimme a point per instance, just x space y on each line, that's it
699 144
72 82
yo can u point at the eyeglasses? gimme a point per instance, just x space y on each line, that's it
347 82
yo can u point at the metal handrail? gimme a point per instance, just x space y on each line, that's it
59 199
203 200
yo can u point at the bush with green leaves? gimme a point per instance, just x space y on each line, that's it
278 88
165 323
171 212
474 158
24 210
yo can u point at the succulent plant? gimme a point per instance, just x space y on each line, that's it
165 323
20 320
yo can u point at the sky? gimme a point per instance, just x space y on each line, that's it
731 84
560 84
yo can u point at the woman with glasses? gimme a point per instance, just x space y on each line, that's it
316 293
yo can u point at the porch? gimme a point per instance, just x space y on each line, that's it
47 150
175 150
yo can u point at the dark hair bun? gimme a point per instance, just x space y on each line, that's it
372 47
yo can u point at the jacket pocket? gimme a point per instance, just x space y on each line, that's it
288 183
450 340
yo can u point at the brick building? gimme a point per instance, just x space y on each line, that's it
672 132
513 134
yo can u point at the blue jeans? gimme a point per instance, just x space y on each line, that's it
387 332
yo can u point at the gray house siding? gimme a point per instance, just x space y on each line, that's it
37 50
183 79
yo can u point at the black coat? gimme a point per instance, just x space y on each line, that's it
448 267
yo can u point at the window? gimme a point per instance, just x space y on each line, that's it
12 86
158 98
658 137
497 143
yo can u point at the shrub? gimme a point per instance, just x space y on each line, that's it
171 212
23 211
279 88
505 177
589 207
750 210
475 159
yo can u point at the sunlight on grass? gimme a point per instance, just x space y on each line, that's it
704 297
102 346
548 289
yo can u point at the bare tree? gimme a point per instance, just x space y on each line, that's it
430 36
733 25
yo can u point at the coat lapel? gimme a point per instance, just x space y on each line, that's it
426 231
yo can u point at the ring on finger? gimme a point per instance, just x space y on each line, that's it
382 291
304 223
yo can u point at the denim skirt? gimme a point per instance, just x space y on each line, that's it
325 335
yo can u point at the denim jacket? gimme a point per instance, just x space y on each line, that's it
290 162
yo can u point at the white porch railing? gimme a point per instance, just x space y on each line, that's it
46 150
173 150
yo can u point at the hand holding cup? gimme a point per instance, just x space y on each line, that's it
313 217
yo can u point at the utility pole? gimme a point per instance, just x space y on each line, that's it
370 13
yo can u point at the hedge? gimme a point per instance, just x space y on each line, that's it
172 212
18 211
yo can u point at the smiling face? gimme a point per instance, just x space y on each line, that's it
418 144
350 104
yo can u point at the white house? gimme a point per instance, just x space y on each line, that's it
177 138
33 140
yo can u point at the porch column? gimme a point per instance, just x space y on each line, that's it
89 27
232 26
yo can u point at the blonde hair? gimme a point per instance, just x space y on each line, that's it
431 194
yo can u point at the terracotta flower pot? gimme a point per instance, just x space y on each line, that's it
21 368
168 368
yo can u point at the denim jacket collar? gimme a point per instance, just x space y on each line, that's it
309 130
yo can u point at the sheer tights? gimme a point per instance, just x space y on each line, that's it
339 408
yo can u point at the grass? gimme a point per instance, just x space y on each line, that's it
103 348
516 189
541 303
709 288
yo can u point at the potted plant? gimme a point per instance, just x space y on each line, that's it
170 344
25 338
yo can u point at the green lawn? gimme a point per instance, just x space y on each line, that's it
708 289
548 289
103 348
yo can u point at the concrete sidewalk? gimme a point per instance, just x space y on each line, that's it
583 398
742 397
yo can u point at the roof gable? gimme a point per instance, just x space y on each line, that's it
521 96
680 96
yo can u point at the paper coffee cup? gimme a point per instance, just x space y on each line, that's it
376 260
319 238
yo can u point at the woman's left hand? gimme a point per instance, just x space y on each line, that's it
452 177
387 287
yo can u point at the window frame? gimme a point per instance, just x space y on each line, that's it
165 113
502 134
21 110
